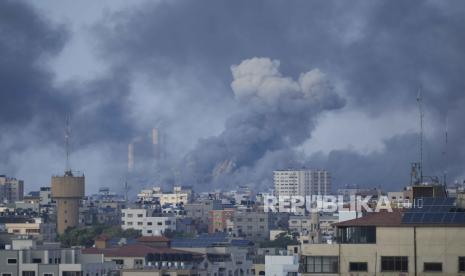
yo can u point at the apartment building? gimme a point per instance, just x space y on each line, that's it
220 220
200 210
179 195
419 241
300 224
148 222
304 182
11 189
26 258
250 224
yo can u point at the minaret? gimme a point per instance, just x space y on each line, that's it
67 191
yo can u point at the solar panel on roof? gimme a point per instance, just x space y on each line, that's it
459 218
417 218
407 218
427 218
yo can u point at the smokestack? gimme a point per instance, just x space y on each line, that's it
156 144
155 139
131 157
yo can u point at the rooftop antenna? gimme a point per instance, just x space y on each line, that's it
67 144
126 189
420 108
445 151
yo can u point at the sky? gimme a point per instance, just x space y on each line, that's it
237 89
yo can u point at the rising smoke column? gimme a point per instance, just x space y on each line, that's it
275 115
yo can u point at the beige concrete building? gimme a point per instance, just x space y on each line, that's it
67 191
25 228
390 244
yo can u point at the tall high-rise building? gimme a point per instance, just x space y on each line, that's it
67 191
304 182
11 189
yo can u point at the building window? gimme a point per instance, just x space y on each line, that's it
149 223
321 264
394 263
140 223
358 266
432 267
119 261
461 264
47 274
71 273
139 261
6 274
36 261
29 273
357 235
12 261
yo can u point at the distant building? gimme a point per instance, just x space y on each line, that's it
45 194
11 189
220 220
281 265
146 258
149 224
179 195
303 182
199 210
222 256
252 225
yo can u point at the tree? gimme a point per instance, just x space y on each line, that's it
282 240
86 236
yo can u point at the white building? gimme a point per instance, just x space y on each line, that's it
281 265
303 182
179 195
142 219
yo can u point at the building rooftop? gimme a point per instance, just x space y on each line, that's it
208 240
153 239
134 250
383 219
432 212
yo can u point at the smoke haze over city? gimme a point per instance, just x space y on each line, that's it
236 89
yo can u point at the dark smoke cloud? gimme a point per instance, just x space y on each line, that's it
170 67
26 84
34 107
